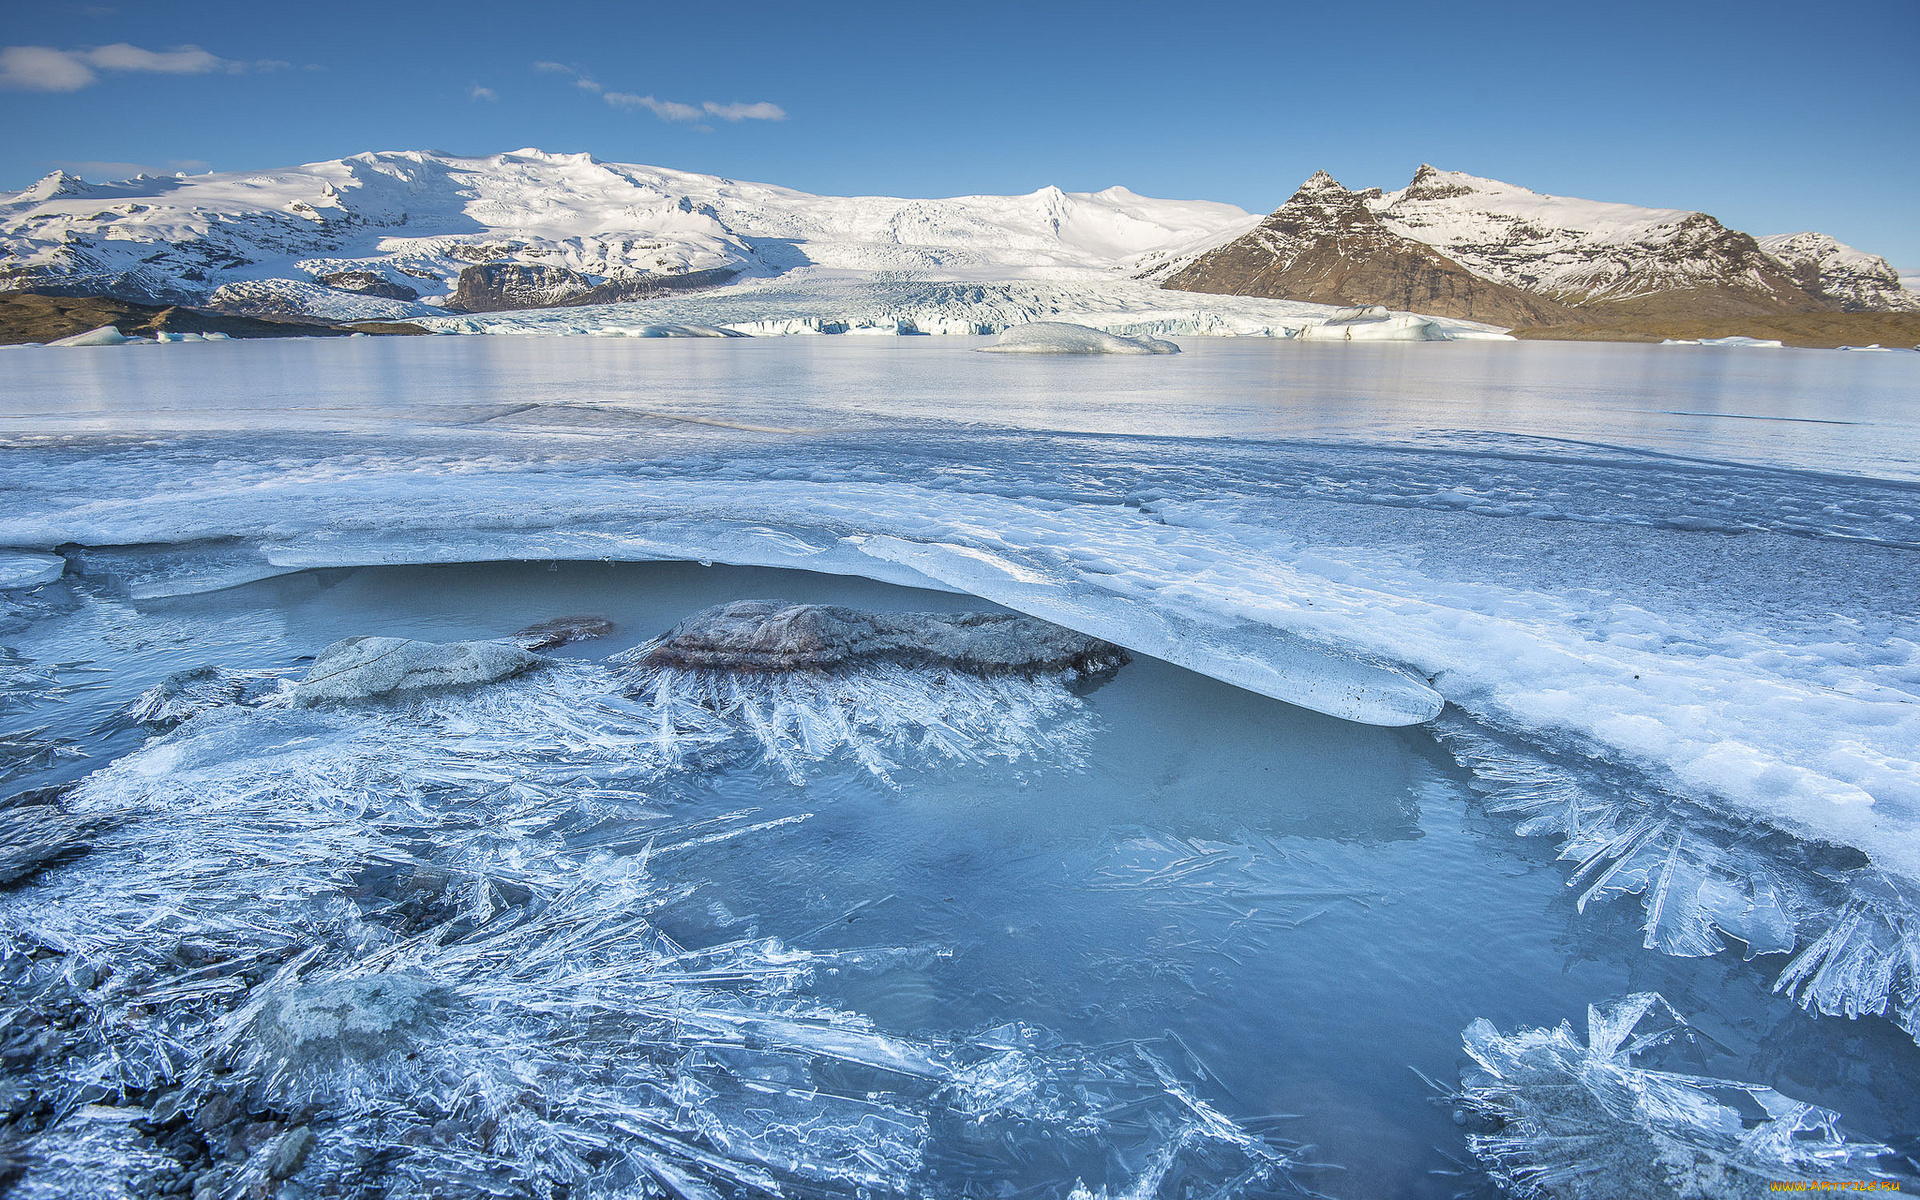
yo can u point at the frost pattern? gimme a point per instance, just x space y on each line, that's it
877 716
1565 1119
1703 879
414 949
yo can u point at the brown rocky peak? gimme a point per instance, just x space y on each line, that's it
1430 183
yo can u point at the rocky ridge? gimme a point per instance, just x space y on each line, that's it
1454 244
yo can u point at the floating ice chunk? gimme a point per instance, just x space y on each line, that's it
1875 347
22 569
778 635
1373 323
1060 337
1566 1120
106 335
1750 342
361 668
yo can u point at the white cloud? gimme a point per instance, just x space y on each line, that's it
45 69
667 110
482 93
186 60
762 111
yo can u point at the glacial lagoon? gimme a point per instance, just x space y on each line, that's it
1163 933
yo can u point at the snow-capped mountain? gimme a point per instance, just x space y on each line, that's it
1456 244
1591 252
1327 245
1858 281
399 234
412 235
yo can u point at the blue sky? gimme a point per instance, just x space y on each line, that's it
1774 117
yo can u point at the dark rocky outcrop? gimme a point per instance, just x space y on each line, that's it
368 283
777 635
504 286
559 631
34 317
1326 246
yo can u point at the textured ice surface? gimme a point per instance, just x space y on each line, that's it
1853 932
416 950
1564 1119
1060 337
1726 629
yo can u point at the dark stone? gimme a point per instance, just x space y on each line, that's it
545 635
45 317
33 836
776 635
368 283
504 286
290 1153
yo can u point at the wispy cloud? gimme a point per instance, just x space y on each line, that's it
759 111
482 93
103 171
46 69
667 110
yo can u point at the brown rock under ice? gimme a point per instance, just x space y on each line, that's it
777 635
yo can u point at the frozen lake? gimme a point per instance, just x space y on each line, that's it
1160 934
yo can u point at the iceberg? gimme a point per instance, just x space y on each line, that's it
1059 337
1373 323
106 335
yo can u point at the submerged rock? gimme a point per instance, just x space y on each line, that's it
33 836
362 668
545 635
778 635
363 1019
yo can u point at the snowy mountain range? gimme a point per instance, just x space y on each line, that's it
1458 245
412 235
408 234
